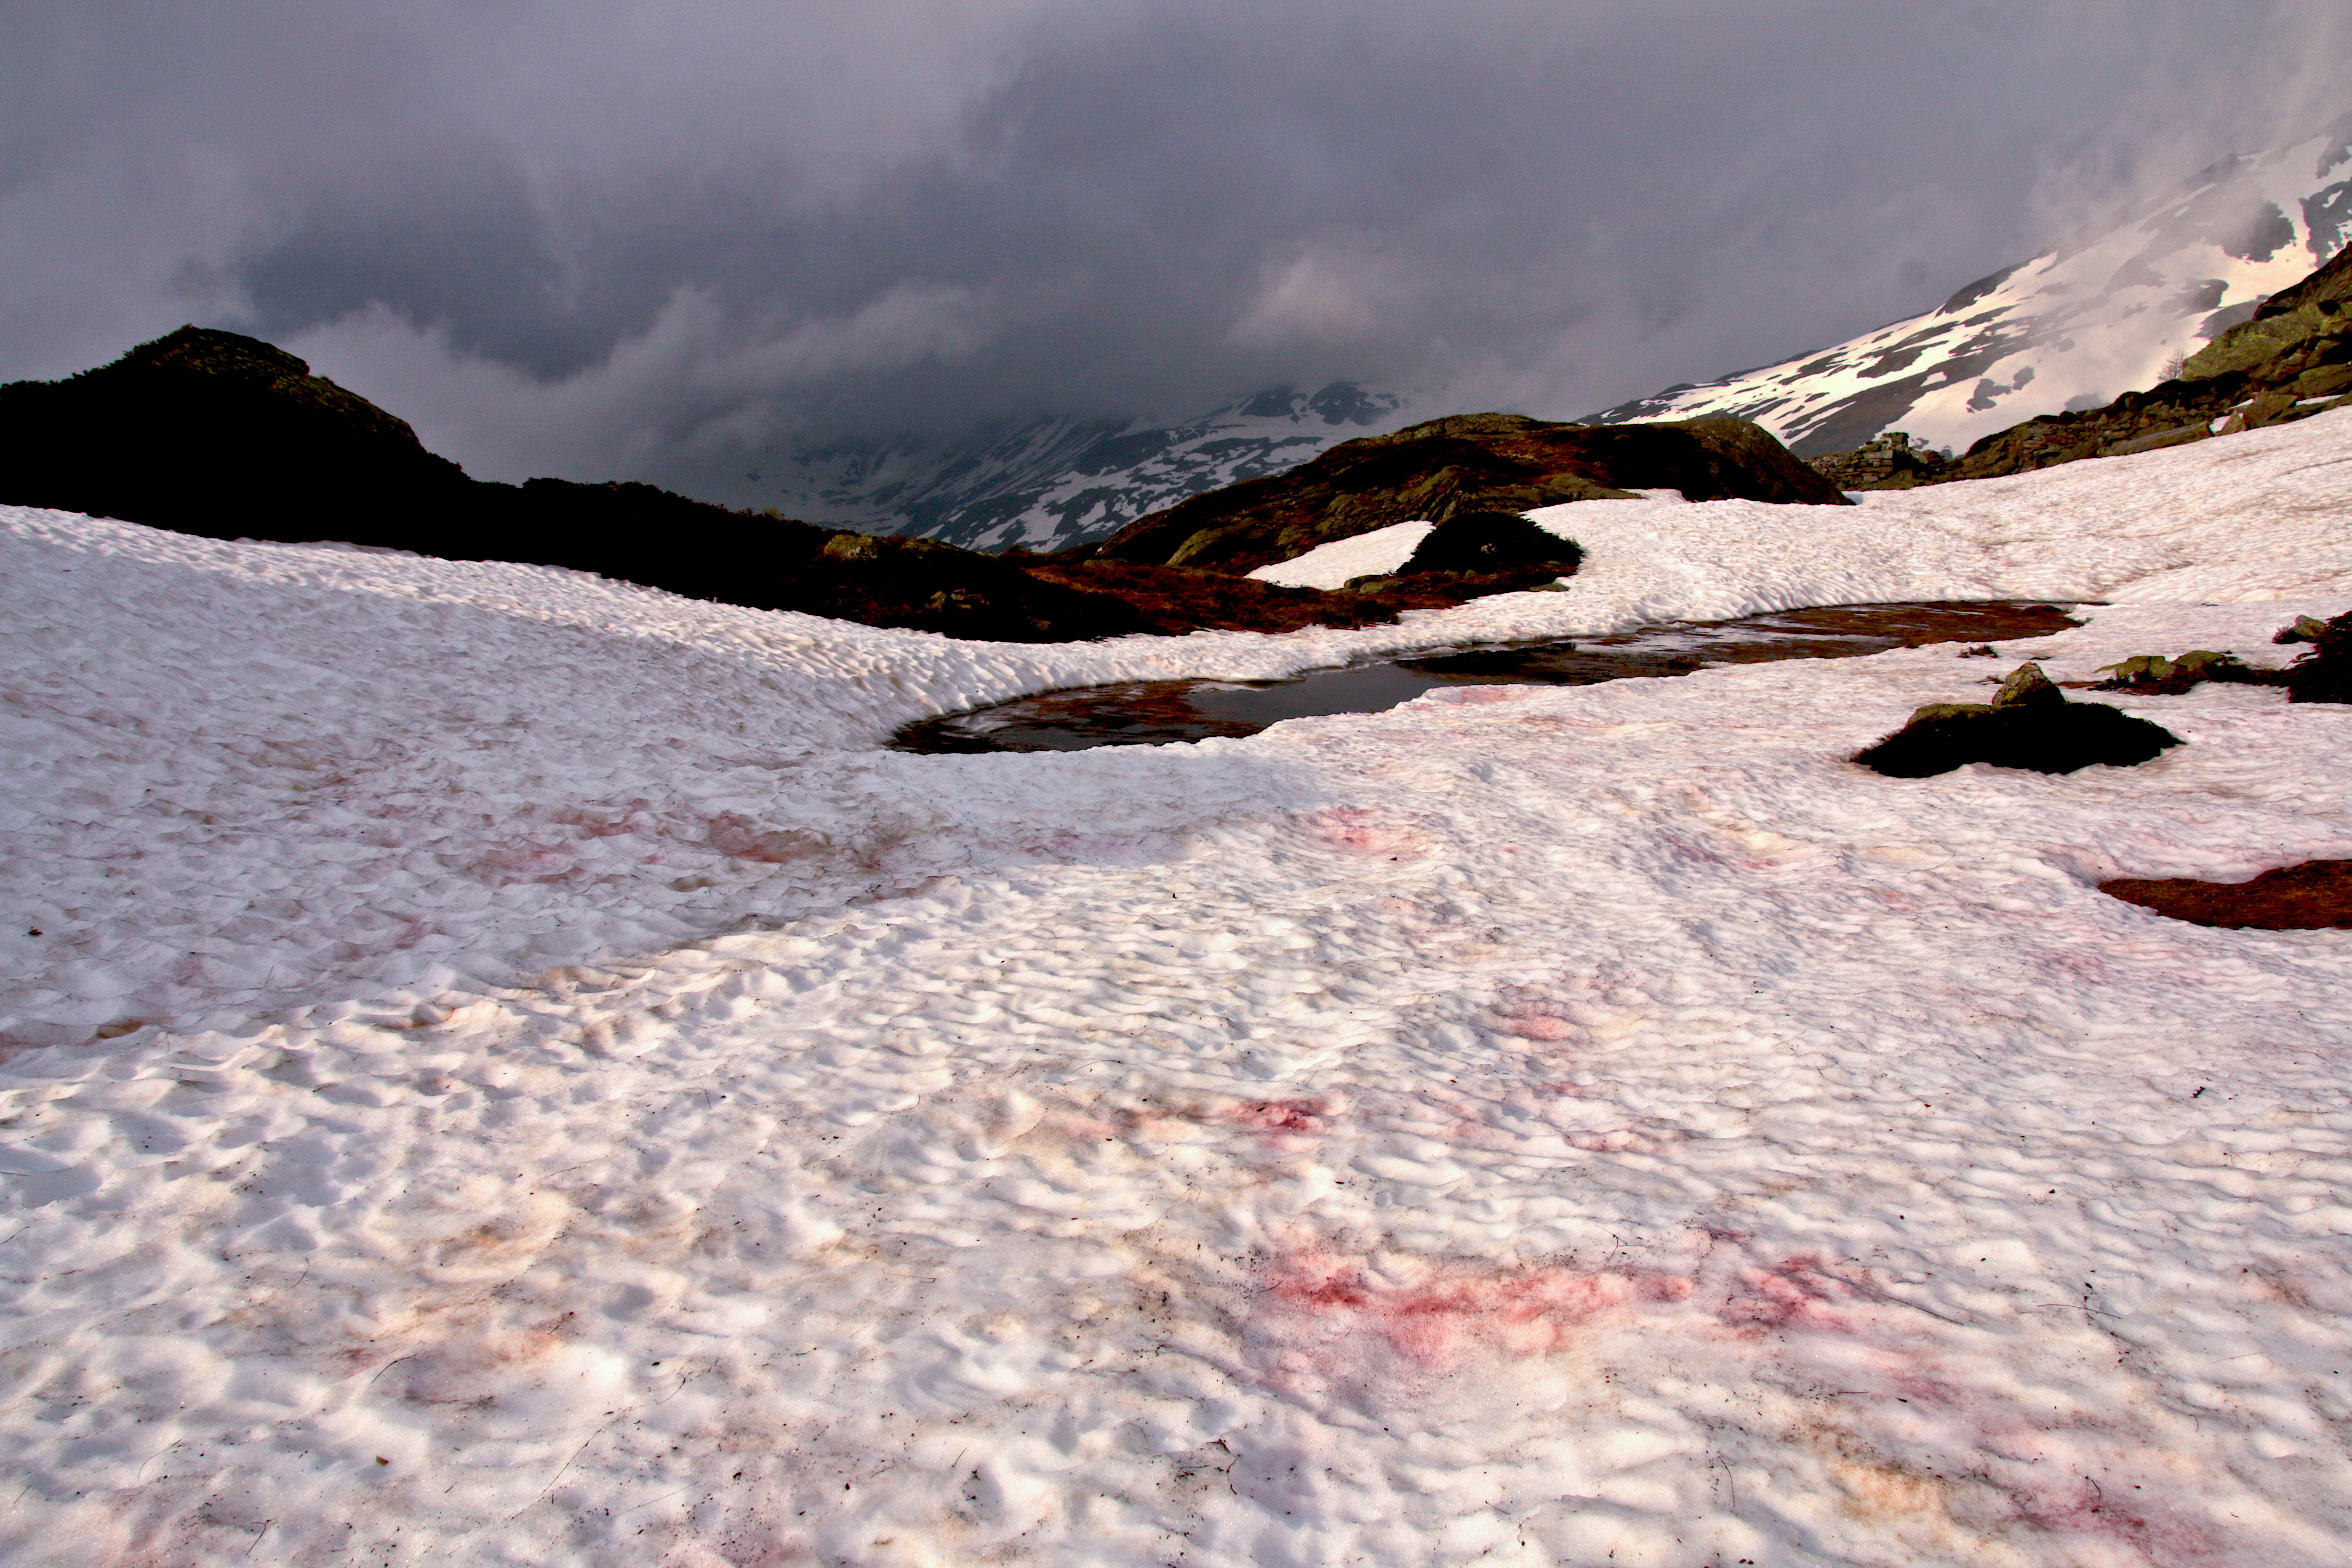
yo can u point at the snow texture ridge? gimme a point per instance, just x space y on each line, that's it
2072 328
510 1072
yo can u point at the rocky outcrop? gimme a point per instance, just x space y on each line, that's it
2281 325
1885 462
1465 463
2154 675
2323 672
2028 724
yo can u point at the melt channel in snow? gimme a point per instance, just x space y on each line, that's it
504 1070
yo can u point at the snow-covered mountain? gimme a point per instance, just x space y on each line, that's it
2070 328
1058 481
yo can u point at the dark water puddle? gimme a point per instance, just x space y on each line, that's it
1161 712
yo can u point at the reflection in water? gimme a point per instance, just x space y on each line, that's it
1158 712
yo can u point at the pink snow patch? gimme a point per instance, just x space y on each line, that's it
1797 1292
1359 831
1455 1313
1281 1116
1530 1021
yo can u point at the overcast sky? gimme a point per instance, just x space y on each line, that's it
624 238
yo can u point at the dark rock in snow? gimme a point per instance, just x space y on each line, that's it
1485 542
2028 724
2154 675
2312 895
2324 674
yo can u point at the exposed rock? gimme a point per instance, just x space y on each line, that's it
2028 724
2314 307
2027 687
2324 673
2154 675
1885 462
2312 895
2306 628
1473 554
1466 463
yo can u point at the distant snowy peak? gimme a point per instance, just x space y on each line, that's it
2069 329
1059 481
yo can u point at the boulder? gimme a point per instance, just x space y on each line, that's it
1488 543
2028 724
2152 675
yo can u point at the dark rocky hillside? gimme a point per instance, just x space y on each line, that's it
225 436
1468 462
2291 359
212 434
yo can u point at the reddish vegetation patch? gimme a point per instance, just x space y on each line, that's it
1173 600
2313 895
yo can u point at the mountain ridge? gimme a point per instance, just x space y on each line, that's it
2078 323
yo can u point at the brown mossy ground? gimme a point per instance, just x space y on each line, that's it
1173 599
2312 895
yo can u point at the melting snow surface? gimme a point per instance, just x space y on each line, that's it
509 1072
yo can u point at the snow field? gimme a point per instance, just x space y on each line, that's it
1534 1125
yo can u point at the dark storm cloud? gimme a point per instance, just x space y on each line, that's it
605 237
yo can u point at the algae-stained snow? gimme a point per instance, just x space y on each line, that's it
509 1073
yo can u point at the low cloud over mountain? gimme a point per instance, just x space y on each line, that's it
603 240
